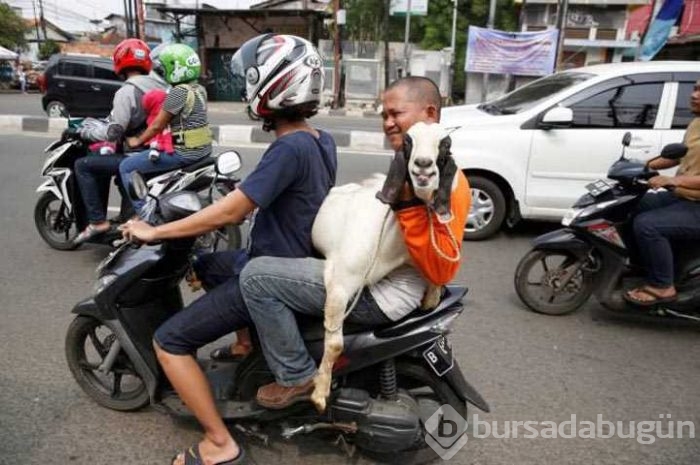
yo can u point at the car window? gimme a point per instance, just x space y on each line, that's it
682 116
533 93
104 71
72 68
630 106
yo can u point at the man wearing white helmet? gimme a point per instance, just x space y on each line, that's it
283 78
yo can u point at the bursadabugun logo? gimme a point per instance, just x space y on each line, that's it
447 430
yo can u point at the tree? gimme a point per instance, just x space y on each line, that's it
48 48
12 28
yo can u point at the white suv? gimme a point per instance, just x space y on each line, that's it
530 153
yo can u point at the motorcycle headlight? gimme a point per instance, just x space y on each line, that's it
570 216
102 282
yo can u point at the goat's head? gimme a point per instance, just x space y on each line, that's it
426 163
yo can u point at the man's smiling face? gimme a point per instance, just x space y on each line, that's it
400 113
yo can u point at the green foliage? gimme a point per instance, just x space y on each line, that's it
48 48
12 28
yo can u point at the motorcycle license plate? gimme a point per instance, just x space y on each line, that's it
598 187
439 356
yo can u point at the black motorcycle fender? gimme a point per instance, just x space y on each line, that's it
89 308
562 239
465 391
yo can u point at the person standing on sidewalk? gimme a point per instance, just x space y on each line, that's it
22 76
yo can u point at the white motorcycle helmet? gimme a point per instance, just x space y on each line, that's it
279 73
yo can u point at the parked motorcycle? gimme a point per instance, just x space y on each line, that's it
387 383
59 213
592 254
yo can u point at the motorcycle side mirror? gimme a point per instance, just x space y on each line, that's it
627 139
228 163
137 186
674 151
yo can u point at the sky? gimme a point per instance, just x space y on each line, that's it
77 16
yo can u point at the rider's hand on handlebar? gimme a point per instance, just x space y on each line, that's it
662 181
137 230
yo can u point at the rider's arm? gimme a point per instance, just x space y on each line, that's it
662 163
123 107
231 209
685 181
156 127
430 256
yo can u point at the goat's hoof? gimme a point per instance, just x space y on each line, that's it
319 401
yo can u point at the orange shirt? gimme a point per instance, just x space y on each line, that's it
414 224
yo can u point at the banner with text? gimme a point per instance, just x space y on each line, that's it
521 53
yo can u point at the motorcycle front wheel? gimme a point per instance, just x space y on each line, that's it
55 224
553 282
88 341
430 392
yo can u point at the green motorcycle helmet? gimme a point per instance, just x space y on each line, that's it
180 64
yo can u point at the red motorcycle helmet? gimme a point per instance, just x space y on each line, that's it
132 53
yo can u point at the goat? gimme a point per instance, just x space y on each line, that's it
360 237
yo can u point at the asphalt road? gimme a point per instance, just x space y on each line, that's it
529 367
219 113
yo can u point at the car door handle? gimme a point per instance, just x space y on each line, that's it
61 84
96 87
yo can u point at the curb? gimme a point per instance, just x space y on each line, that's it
226 135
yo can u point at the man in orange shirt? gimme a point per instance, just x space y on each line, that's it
275 288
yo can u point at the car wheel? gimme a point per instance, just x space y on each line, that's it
488 209
55 109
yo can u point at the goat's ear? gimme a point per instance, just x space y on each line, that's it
448 169
395 179
407 146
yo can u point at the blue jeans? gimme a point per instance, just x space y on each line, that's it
93 174
274 289
218 312
140 162
663 218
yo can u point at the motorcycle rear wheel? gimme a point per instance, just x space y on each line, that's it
87 343
54 223
548 267
431 392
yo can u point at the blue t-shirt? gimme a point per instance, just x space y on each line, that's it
288 186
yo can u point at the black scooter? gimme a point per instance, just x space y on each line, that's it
591 254
386 385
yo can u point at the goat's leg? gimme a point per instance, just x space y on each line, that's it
334 312
431 298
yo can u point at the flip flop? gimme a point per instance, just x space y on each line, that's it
88 233
657 299
193 457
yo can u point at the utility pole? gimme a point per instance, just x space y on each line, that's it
407 32
561 27
489 25
337 54
385 33
141 20
453 58
41 18
36 24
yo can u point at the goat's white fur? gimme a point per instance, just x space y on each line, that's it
362 243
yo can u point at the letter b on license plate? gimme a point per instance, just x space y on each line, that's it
439 356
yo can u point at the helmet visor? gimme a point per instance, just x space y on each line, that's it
244 65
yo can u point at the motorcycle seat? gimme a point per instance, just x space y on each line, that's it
311 328
206 161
